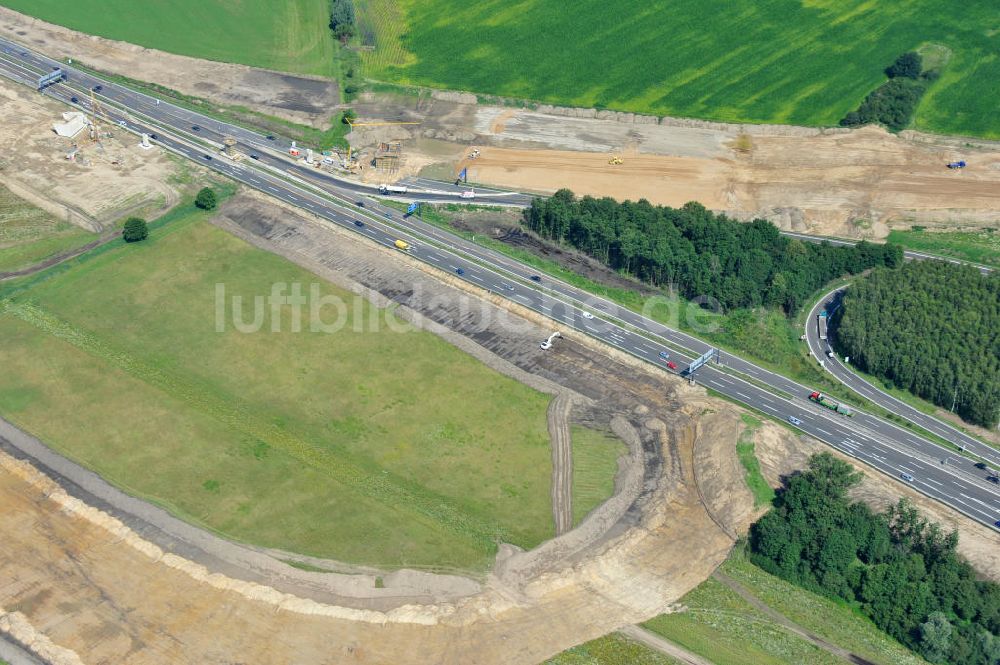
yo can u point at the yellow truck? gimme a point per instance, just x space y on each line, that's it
403 245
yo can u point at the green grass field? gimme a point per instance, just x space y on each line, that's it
595 456
286 35
613 649
723 627
29 235
976 246
386 448
785 61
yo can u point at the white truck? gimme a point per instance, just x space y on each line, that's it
393 189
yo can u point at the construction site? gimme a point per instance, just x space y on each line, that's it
79 166
95 572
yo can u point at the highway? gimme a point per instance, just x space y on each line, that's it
879 443
835 366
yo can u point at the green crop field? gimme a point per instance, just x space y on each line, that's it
378 446
29 235
286 35
787 61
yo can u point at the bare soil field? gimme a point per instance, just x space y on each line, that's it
33 165
303 99
851 183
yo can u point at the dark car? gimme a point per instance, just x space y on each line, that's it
994 479
535 278
459 271
196 128
997 523
360 204
358 223
270 137
74 100
981 465
388 215
98 88
24 54
253 156
208 157
154 137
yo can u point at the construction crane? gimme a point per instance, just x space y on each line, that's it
352 125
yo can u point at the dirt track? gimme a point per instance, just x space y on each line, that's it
557 417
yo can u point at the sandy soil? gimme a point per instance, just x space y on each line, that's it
302 99
852 183
99 186
781 452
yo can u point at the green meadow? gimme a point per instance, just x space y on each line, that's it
378 446
286 35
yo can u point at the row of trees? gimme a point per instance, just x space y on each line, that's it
898 569
932 328
697 253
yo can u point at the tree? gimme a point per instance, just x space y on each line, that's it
135 230
206 199
348 116
907 65
935 637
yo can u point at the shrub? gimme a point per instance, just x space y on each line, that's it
135 230
206 199
907 65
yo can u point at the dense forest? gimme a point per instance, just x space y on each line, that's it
898 569
696 253
932 328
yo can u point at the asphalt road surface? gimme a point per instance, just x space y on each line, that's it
877 442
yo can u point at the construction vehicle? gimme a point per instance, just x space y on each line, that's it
392 189
547 343
616 160
403 245
957 165
823 400
294 150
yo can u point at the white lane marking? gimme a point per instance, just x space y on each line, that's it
985 505
820 429
931 480
743 396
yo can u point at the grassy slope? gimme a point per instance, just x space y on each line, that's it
611 649
29 235
313 442
716 59
976 246
727 630
290 35
835 623
763 494
595 456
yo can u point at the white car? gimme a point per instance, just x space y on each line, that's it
793 420
588 315
545 345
